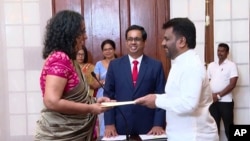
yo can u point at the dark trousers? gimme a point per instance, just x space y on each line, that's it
223 111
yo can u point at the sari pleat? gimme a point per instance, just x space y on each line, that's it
67 127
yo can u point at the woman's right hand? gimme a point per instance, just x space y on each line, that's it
97 108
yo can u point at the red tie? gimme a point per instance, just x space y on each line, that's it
135 72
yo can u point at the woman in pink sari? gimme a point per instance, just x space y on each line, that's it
69 112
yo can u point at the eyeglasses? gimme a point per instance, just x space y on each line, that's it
80 54
136 39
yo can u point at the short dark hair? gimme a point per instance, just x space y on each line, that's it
61 33
224 45
183 27
109 41
137 27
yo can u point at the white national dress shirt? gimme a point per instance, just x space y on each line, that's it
187 100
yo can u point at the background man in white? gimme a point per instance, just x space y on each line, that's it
223 77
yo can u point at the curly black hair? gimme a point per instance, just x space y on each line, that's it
61 33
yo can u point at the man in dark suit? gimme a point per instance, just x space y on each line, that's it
122 85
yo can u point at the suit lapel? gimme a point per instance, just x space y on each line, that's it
128 73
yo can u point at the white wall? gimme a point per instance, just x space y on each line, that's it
231 25
22 24
194 10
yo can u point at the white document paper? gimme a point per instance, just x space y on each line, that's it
152 137
112 104
116 138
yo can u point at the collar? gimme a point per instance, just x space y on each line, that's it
183 56
224 62
132 59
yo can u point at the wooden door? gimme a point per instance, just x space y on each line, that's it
110 19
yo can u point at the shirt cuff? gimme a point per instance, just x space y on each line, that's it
160 101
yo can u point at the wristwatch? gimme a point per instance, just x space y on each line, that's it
218 96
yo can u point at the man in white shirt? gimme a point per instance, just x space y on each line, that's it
223 76
187 93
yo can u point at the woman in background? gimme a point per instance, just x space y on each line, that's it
87 68
108 50
69 113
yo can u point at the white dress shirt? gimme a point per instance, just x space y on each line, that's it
131 62
186 100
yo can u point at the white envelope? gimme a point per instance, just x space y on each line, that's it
112 104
